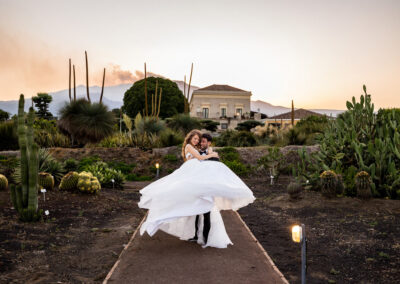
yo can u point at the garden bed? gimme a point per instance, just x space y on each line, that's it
79 241
349 240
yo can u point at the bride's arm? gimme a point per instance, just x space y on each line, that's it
196 154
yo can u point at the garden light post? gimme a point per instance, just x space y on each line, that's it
158 170
43 190
113 182
271 173
299 236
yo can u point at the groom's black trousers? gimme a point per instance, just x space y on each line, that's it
206 222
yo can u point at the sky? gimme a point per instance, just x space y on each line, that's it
318 53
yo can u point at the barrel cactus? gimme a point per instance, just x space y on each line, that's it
294 190
363 185
88 183
46 181
329 181
69 181
3 182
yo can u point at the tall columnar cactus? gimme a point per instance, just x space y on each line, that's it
3 182
329 183
363 185
25 195
292 114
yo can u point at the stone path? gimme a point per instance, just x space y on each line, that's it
166 259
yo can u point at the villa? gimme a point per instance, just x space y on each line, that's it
222 103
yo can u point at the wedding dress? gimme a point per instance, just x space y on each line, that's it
197 187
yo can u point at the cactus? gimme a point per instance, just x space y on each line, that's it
46 181
69 181
292 114
294 190
24 196
3 182
328 183
363 185
88 183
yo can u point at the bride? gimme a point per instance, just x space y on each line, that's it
197 187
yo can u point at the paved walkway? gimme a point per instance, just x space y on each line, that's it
166 259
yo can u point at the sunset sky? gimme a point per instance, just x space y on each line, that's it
318 53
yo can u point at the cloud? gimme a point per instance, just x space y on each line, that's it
115 75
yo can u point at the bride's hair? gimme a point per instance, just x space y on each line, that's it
188 140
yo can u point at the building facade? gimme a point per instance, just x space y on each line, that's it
222 103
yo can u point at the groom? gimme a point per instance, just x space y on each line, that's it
205 144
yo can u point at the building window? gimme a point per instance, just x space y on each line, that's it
238 112
205 112
223 112
224 125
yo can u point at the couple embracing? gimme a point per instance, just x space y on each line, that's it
187 203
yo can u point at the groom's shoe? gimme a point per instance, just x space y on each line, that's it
194 239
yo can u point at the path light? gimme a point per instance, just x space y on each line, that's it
43 190
158 169
299 236
271 175
112 180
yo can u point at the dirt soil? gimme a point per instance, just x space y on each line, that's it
78 242
349 240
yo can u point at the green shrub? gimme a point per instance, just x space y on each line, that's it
122 167
8 166
183 122
248 125
209 125
86 122
87 161
170 158
237 167
170 137
134 177
71 165
236 139
8 136
228 154
105 175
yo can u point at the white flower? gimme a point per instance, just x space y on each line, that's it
307 181
47 212
43 190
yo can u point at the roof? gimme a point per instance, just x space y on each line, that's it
225 88
298 114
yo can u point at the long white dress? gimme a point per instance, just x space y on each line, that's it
195 188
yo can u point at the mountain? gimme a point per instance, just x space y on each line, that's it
271 110
113 97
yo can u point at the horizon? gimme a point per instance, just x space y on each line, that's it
317 53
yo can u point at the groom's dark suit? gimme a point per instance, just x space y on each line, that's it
206 222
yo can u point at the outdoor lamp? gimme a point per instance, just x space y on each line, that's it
299 236
158 170
296 233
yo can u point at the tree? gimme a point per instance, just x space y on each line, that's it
4 115
209 125
248 124
42 101
172 101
